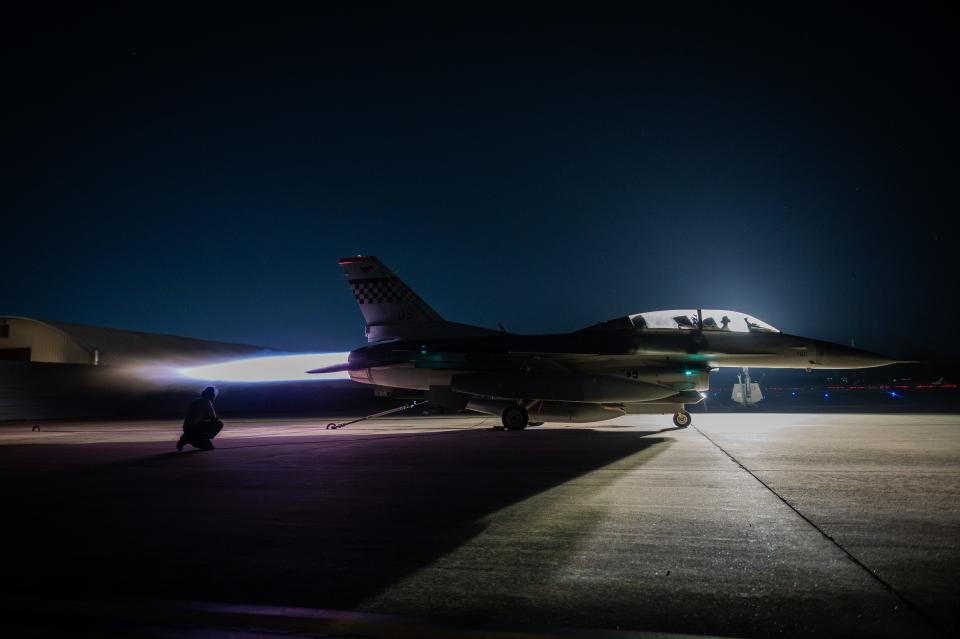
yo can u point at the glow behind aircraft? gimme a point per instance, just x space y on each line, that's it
272 368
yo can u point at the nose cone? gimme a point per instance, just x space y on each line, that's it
837 356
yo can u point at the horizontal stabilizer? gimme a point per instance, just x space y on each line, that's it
333 368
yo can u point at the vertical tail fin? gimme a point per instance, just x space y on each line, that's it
385 301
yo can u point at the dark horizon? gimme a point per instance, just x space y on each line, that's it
545 171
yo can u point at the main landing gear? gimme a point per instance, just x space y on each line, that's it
682 419
515 417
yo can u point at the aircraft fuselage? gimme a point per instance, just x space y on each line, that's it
657 361
661 356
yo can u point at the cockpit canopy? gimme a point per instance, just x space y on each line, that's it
713 320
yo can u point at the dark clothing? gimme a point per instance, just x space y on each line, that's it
200 435
200 425
200 410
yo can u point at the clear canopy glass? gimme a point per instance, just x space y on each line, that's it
713 320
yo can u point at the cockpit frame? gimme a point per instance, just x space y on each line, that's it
706 319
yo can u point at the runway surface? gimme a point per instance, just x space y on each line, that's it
743 525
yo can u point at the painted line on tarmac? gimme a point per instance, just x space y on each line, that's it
883 582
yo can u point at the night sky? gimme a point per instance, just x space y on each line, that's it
200 174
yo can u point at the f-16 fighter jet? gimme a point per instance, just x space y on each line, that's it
654 363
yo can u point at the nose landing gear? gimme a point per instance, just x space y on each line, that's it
682 419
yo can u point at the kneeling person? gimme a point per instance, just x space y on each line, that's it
201 424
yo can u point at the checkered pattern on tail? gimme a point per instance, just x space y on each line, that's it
385 290
383 297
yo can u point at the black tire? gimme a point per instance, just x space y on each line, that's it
515 418
682 419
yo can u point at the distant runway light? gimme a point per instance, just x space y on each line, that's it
272 368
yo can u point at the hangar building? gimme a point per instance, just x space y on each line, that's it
51 369
24 339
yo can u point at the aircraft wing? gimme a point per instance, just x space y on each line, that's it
705 359
675 356
582 357
506 361
701 355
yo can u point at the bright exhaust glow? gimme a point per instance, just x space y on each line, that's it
273 368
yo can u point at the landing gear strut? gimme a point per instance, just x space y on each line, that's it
682 419
515 417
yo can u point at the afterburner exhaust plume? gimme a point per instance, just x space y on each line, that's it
274 368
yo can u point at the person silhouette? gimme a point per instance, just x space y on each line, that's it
201 425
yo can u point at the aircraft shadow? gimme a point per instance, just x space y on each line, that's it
326 525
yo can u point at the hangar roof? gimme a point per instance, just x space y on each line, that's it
119 346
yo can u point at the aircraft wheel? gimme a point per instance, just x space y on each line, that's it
682 419
515 417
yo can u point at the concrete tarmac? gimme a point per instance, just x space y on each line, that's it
748 525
